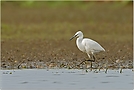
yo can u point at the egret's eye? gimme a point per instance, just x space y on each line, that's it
76 35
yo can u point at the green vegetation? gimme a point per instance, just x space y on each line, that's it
32 3
104 21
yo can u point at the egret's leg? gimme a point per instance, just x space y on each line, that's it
85 60
90 59
88 55
94 58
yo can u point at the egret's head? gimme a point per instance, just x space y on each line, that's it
77 34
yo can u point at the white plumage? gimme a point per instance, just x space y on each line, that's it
87 45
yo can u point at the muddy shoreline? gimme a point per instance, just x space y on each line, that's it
62 54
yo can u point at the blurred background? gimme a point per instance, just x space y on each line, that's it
105 20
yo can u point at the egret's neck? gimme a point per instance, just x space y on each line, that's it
79 44
79 39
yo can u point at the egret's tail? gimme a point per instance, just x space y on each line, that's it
103 49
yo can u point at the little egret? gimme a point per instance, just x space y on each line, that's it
88 46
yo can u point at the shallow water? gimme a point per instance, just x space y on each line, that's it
59 79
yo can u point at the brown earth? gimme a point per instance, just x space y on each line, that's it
38 37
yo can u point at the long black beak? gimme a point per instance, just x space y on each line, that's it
73 37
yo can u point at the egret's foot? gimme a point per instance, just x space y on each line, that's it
81 63
91 60
85 61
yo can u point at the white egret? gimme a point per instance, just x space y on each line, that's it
87 45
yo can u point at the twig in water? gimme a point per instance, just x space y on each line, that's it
20 64
106 70
121 70
99 68
91 67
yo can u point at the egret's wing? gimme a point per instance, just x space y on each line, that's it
92 46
